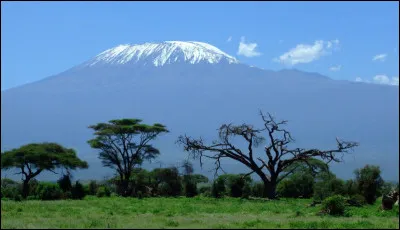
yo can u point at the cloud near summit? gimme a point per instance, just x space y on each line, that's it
247 49
306 53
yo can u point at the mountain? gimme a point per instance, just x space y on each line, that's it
193 88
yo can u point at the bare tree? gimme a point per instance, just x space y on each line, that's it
279 160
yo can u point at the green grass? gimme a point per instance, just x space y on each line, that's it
183 213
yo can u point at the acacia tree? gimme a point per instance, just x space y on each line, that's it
124 145
32 159
278 160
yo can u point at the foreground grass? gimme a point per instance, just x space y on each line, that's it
197 212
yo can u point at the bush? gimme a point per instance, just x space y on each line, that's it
246 191
17 197
10 192
204 189
218 188
257 190
300 184
369 182
357 200
328 185
103 191
139 195
334 205
350 188
168 181
164 189
190 189
78 191
67 195
93 188
65 183
49 191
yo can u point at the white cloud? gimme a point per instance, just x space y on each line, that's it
381 79
335 68
395 80
247 49
379 57
304 53
229 39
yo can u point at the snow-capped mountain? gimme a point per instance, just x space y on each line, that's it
193 88
159 54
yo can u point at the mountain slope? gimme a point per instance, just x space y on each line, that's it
196 97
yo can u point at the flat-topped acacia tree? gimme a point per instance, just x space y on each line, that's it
278 161
32 159
124 144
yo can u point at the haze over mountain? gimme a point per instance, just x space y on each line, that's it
193 88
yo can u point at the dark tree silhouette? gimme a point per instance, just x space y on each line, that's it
32 159
278 158
124 145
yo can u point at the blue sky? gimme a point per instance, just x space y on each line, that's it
343 40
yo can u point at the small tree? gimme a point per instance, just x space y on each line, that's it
93 186
369 182
278 154
218 188
77 191
32 159
167 181
301 182
190 186
124 145
65 183
327 184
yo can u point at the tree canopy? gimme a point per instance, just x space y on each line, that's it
34 158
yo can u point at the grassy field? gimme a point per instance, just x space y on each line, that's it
200 212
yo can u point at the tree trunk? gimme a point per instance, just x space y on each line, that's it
270 190
25 188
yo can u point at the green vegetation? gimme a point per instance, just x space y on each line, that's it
124 145
302 191
32 159
197 212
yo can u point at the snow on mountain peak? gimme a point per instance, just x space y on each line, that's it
159 54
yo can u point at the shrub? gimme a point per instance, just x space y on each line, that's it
139 195
78 191
33 185
168 181
103 191
164 189
65 183
204 189
67 195
10 192
350 188
93 188
17 197
369 182
190 189
218 188
246 191
257 190
357 200
328 185
300 184
334 205
49 191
